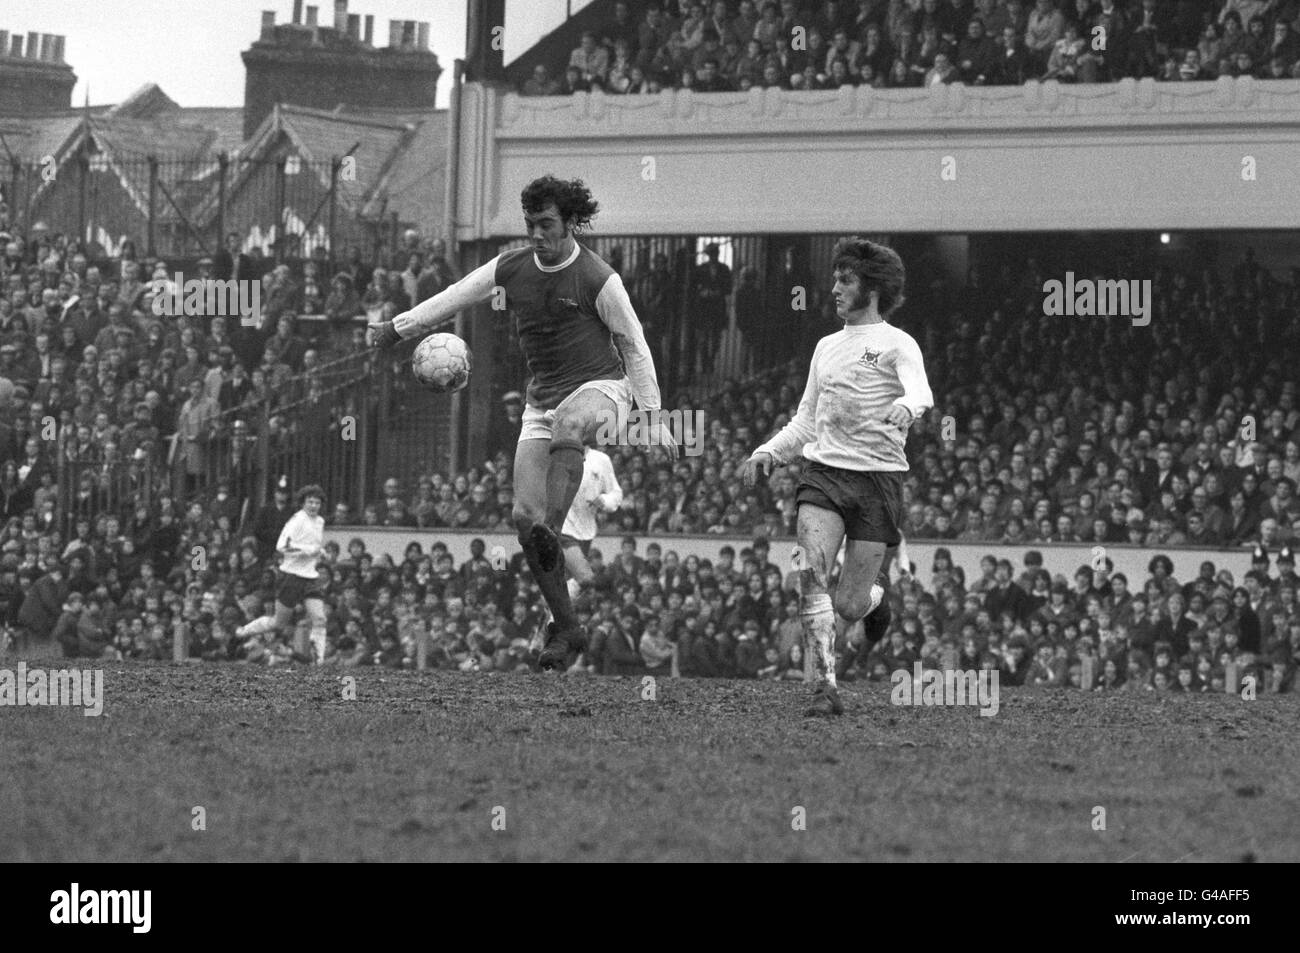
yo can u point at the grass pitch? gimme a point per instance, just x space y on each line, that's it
451 767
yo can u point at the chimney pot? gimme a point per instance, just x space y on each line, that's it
354 26
311 15
4 42
370 29
297 12
33 46
268 24
16 45
341 15
58 48
394 33
423 36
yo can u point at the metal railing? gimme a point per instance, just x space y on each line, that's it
325 430
320 426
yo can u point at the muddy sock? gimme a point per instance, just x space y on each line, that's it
818 619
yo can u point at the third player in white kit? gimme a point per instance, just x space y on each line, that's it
598 492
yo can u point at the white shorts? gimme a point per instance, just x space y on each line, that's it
537 422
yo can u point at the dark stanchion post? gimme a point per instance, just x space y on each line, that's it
153 204
83 172
335 164
223 164
263 451
29 196
281 215
365 448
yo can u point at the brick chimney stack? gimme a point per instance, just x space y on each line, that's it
327 64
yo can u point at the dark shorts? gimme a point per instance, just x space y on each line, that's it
568 542
869 502
294 590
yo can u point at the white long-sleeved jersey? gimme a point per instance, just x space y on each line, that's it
856 375
302 532
599 492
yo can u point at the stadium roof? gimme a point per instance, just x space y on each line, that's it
32 138
400 153
414 183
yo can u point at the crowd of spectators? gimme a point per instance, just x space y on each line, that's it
728 46
656 613
128 437
1182 432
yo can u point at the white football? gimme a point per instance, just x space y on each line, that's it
441 363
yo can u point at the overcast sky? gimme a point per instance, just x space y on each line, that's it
191 49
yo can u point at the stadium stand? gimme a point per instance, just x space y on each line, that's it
726 47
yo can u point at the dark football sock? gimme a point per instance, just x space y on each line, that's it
876 624
562 480
552 584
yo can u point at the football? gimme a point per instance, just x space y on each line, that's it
441 363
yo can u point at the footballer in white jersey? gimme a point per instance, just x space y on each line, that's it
599 492
300 544
866 386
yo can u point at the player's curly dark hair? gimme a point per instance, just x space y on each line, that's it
311 489
877 266
571 198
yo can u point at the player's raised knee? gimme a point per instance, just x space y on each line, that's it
567 430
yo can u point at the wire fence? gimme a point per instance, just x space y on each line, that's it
321 426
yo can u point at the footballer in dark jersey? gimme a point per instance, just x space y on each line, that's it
589 363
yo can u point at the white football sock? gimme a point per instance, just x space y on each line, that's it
818 620
318 643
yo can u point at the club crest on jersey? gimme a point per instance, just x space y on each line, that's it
869 358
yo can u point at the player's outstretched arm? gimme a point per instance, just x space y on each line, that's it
793 437
917 397
284 545
611 493
297 537
474 288
615 309
757 467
